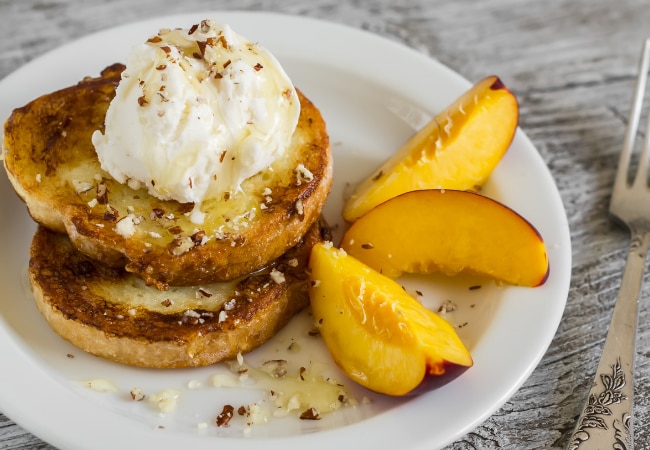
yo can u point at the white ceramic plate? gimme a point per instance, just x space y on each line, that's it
356 79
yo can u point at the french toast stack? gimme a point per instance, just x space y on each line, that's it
128 277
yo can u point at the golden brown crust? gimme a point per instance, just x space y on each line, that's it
52 164
111 313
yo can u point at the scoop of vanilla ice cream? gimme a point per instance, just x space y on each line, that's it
197 112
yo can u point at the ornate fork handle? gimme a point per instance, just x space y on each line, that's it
606 420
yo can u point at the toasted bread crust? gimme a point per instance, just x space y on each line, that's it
110 313
52 165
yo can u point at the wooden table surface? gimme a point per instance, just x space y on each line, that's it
572 64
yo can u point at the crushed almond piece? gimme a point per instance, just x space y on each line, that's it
102 193
310 414
126 226
223 419
181 245
205 293
303 174
277 368
277 276
137 394
446 307
300 208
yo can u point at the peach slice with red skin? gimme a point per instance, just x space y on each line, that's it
380 337
458 149
449 232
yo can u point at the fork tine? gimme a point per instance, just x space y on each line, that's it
633 125
641 177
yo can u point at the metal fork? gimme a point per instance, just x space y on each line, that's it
606 420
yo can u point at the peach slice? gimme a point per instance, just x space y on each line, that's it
449 231
458 149
380 337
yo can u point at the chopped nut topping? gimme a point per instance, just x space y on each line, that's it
205 293
126 226
310 414
299 208
303 174
446 307
277 276
111 214
223 419
137 394
199 238
202 45
176 230
102 193
277 368
180 245
191 313
205 26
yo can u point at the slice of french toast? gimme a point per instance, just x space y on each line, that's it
52 164
111 313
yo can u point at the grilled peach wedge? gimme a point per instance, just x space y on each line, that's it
380 337
458 149
449 232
